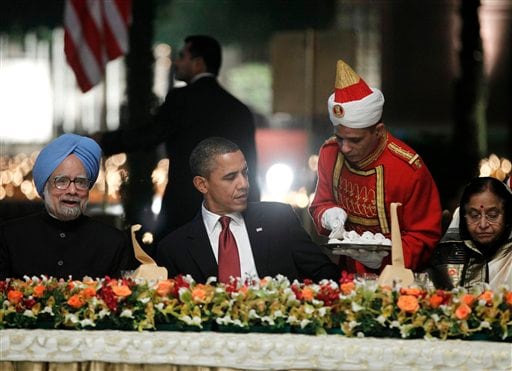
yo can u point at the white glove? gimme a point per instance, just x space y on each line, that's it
371 259
334 217
337 233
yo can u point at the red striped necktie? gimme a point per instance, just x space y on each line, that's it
229 261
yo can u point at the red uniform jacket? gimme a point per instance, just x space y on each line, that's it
393 173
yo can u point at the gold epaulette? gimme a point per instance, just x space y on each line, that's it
331 140
411 158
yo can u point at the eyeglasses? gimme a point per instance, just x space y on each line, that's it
63 182
492 217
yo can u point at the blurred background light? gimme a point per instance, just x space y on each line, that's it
279 179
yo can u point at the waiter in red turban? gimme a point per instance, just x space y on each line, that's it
362 169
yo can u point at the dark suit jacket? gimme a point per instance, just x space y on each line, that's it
279 243
39 244
188 115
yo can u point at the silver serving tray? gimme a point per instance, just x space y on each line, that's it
338 248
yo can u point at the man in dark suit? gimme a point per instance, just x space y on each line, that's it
189 114
268 237
61 241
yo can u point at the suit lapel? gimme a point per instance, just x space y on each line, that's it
200 248
259 238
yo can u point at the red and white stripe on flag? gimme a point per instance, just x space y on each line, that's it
95 32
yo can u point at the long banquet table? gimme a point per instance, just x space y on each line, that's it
125 350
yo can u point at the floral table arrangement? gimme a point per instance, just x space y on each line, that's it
352 307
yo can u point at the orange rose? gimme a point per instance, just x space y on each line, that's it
15 296
436 301
414 291
121 290
463 311
487 296
39 291
408 303
467 299
308 294
199 293
164 287
75 301
508 298
88 292
347 287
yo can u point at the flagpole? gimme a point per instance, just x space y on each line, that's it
103 128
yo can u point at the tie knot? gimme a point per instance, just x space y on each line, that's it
224 221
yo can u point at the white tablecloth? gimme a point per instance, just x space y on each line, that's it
252 351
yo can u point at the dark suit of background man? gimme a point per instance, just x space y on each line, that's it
189 114
269 237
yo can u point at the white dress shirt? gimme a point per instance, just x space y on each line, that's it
237 227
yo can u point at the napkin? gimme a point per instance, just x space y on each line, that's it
148 268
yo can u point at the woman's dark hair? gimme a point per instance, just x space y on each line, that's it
480 185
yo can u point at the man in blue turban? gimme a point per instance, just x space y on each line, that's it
61 241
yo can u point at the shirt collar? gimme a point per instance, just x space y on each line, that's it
211 219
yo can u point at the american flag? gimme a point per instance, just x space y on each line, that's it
96 31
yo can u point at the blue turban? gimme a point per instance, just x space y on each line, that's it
50 157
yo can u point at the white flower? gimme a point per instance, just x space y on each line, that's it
435 317
71 318
360 334
159 306
226 320
268 320
194 321
394 324
353 324
309 310
485 324
322 311
104 312
381 319
28 313
47 309
144 300
356 307
126 313
292 320
304 323
253 314
87 322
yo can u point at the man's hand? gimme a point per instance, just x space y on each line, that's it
337 233
371 259
334 217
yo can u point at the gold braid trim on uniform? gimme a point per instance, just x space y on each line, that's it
381 208
340 159
379 195
412 159
363 221
373 156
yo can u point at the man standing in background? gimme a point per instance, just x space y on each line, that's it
190 114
